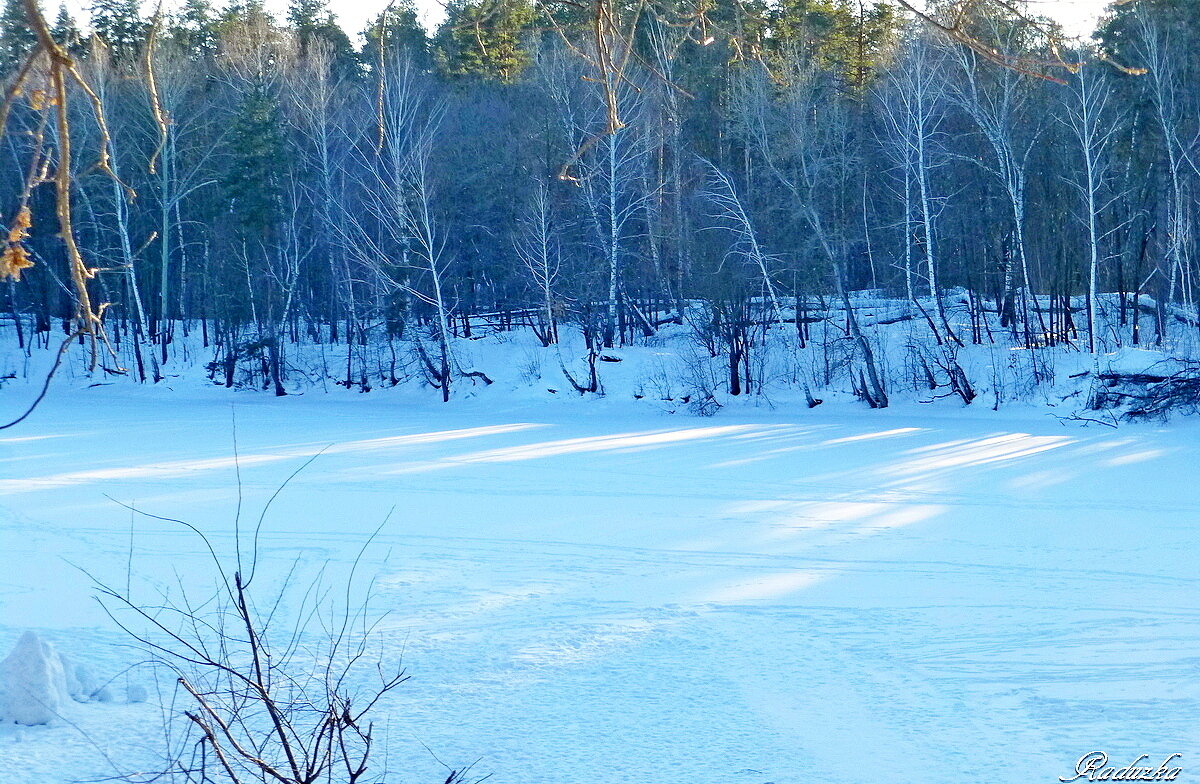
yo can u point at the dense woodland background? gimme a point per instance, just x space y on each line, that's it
830 167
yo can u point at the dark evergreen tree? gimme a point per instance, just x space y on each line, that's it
403 35
119 26
849 38
66 31
257 153
243 13
313 23
16 37
194 28
1122 32
485 38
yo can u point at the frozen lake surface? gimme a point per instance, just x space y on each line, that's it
596 593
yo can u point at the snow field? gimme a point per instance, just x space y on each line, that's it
604 593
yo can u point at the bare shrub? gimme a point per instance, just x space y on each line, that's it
279 684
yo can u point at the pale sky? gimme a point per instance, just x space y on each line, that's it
1078 17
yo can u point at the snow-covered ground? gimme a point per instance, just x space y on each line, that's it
604 593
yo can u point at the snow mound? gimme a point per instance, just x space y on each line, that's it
1134 361
36 680
33 682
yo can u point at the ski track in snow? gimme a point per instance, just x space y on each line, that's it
603 595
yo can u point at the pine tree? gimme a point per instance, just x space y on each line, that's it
403 35
243 13
16 38
313 22
66 31
118 23
1121 30
875 31
256 146
194 28
484 38
846 37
